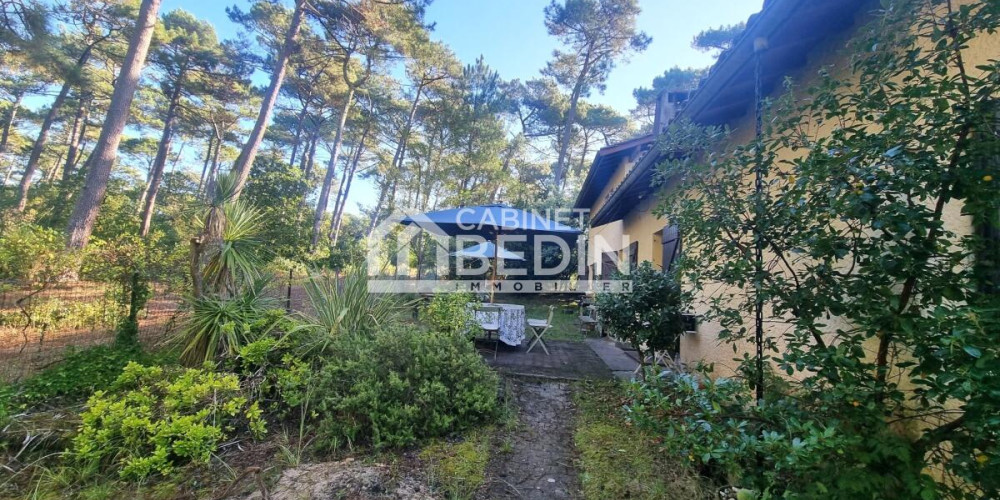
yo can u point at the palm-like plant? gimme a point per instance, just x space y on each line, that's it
344 305
221 325
234 258
227 285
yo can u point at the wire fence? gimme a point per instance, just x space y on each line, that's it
38 325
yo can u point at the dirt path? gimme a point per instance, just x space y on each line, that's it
534 460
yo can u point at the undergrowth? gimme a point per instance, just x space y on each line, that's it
618 460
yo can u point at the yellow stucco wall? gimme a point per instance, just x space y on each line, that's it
641 225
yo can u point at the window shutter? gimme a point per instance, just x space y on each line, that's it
671 246
633 256
609 264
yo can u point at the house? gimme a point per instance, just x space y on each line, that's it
801 36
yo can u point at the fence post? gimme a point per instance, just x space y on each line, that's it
288 294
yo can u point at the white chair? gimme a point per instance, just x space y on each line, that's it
538 329
488 318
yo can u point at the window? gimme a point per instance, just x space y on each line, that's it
633 256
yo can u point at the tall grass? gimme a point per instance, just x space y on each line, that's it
344 306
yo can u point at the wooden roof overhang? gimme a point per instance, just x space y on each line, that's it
603 168
793 29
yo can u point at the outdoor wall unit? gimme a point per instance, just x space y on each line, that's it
690 323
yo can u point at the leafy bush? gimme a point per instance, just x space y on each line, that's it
33 254
155 419
450 313
401 385
784 449
649 315
271 368
79 374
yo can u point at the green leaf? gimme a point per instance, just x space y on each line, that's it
973 351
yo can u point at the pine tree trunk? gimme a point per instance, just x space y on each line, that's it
309 161
50 174
75 138
377 210
10 121
213 173
339 210
43 132
331 171
245 161
88 205
298 135
567 132
39 146
340 194
208 160
156 172
404 136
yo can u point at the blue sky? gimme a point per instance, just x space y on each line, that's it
511 35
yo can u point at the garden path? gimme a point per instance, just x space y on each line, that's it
536 456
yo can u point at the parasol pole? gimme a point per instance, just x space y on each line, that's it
493 275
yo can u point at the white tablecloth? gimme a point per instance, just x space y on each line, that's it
511 323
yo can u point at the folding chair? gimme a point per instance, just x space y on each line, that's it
588 320
538 329
488 318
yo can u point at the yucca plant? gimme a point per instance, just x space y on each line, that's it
218 325
235 258
226 252
227 295
344 305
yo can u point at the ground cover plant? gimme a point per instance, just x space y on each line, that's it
459 467
619 460
153 420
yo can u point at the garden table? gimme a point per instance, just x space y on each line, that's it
511 323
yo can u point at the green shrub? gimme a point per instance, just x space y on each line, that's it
156 419
271 368
450 313
54 313
33 254
785 449
648 316
79 374
401 385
